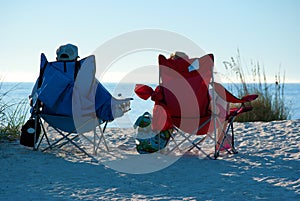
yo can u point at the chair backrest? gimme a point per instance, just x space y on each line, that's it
185 84
56 82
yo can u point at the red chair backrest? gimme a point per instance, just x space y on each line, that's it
185 85
186 92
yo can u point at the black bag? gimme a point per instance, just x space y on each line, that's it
27 133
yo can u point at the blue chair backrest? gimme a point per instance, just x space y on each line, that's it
57 81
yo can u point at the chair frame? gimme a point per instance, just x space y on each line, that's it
215 120
64 132
188 136
66 135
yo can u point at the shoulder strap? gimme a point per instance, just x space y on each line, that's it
77 67
65 66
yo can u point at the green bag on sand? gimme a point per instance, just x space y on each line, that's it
147 141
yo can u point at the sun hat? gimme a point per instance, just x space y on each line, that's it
67 52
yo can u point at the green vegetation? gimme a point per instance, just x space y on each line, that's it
12 116
270 104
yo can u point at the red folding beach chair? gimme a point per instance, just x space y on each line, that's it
185 100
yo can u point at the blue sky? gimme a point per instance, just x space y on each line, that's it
266 31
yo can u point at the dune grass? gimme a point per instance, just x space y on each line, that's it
12 116
271 104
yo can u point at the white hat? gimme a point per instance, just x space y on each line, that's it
67 52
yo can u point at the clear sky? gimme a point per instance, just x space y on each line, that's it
267 31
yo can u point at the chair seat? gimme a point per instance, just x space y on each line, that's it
66 123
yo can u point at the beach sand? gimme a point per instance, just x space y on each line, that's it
267 167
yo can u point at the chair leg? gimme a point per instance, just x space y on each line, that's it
194 144
70 140
225 138
234 151
44 134
56 143
66 138
99 140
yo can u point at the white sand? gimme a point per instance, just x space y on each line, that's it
267 167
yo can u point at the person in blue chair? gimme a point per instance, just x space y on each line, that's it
68 85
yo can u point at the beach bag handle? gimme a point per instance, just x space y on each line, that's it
143 121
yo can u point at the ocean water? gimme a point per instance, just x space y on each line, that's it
19 91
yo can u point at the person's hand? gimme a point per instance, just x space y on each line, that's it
120 106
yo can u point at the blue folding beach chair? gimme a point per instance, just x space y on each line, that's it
69 98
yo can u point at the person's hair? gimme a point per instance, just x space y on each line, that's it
177 55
